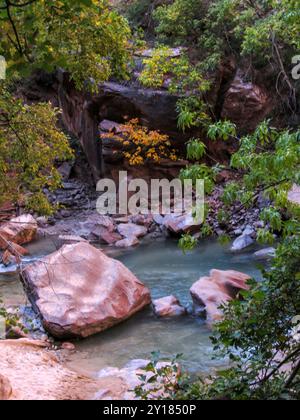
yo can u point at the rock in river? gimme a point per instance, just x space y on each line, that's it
79 291
180 224
265 254
242 242
20 230
131 230
209 293
168 306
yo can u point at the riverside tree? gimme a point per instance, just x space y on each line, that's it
260 332
85 37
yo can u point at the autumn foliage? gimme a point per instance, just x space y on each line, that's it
141 145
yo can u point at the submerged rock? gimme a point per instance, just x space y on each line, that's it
70 239
265 254
242 242
210 293
20 230
127 242
168 306
79 291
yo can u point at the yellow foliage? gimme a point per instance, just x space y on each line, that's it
143 145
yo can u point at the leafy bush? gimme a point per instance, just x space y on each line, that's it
160 379
30 144
180 21
204 172
258 335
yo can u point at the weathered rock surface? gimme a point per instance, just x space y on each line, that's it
70 239
65 170
143 220
13 254
168 306
131 230
30 372
179 224
265 254
20 230
5 388
294 195
127 242
87 224
246 104
209 293
79 291
242 242
105 236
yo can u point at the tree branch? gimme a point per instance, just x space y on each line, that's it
19 46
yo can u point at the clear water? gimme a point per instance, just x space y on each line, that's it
11 291
165 270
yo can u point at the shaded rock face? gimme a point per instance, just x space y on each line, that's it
246 104
209 293
85 115
82 113
20 230
168 306
79 291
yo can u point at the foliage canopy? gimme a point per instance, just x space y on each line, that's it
30 144
86 37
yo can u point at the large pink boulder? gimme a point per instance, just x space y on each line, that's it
20 230
79 291
210 293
